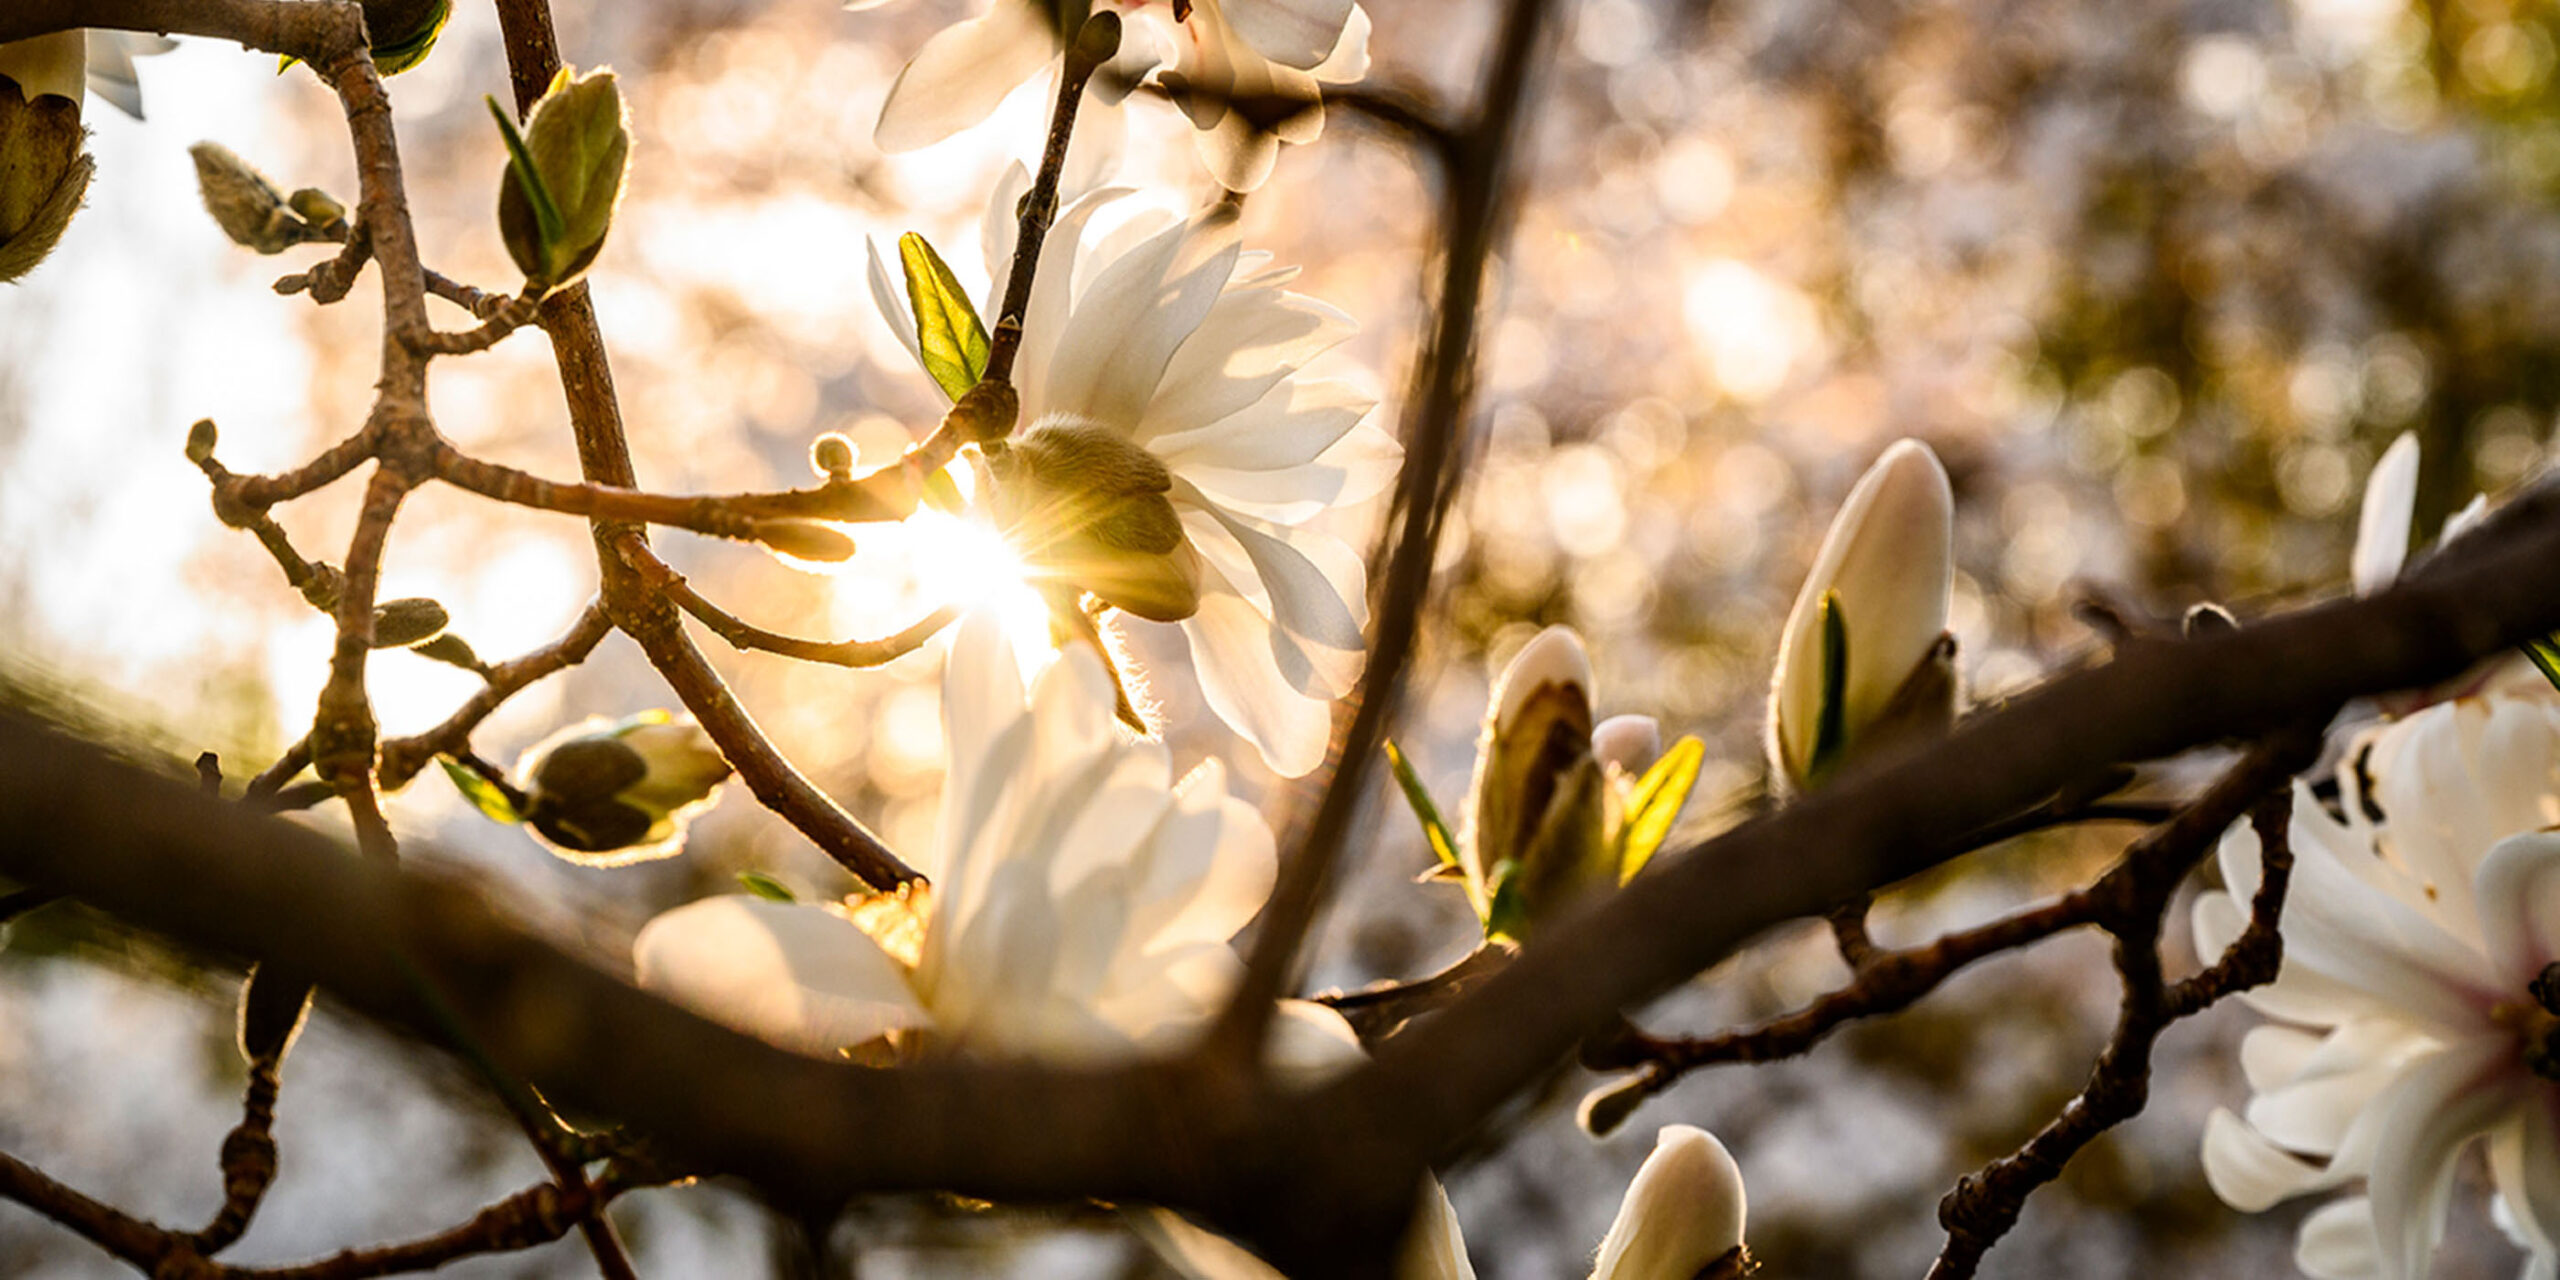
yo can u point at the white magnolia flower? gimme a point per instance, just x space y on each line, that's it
2382 550
1082 899
1682 1215
1154 341
2413 943
1888 562
1247 72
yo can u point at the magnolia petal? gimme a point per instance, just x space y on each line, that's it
1290 426
2336 925
1310 1045
1683 1210
1044 313
1304 598
2519 895
2465 520
1196 1251
1205 869
2524 1157
800 976
1238 155
2337 1242
1349 61
1434 1248
2436 1108
1631 743
2313 1112
1890 556
891 299
1254 337
1233 651
2382 525
111 70
2249 1172
960 75
1293 33
1136 313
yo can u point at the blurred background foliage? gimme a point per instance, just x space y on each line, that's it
2158 279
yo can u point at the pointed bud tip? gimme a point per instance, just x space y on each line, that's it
1554 657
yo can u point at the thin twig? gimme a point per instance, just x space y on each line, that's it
402 758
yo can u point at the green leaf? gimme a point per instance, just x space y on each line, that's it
942 493
1831 726
1506 914
528 176
2545 653
766 887
1655 804
948 333
483 794
1434 827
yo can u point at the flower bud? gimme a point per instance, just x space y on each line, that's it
622 789
805 540
201 440
564 177
44 171
404 32
1862 659
1628 744
1084 503
246 205
1682 1216
399 624
832 455
1536 811
273 1003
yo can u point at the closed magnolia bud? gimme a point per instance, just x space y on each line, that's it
398 624
1091 508
272 1005
201 439
1682 1217
1868 621
605 793
404 32
577 140
44 170
1537 802
805 540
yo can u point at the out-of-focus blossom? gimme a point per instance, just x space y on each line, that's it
111 71
1153 343
1682 1217
1082 899
605 793
2383 535
2418 989
1560 808
1249 73
1865 658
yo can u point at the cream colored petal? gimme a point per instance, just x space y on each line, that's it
1889 555
800 976
1683 1210
2382 524
1234 651
2337 1242
2249 1172
1255 336
960 75
1293 33
890 296
2519 894
1140 308
2524 1158
2439 1105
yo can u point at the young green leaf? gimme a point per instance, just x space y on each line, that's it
942 493
2545 654
1434 828
1506 914
483 794
1655 804
528 176
949 334
1831 729
766 887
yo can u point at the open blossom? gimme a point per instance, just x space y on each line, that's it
2416 1012
1082 902
1884 574
1249 73
1157 352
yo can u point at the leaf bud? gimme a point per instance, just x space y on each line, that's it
247 206
272 1005
564 177
1097 41
399 624
201 439
805 540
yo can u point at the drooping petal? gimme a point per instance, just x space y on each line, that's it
1251 339
2524 1157
1234 651
1205 869
2437 1107
2312 1110
960 74
2247 1170
2337 1242
891 299
111 71
1290 425
2382 525
800 976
